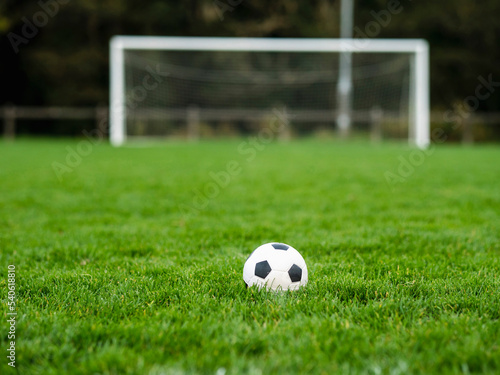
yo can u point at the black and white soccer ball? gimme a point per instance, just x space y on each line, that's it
275 266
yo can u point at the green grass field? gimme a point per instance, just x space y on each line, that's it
124 267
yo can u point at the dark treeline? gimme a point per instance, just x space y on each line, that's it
64 60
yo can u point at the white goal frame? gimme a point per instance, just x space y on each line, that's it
419 113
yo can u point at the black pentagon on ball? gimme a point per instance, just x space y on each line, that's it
295 273
280 246
262 269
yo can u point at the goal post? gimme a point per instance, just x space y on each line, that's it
208 74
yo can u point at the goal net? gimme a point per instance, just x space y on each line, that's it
190 87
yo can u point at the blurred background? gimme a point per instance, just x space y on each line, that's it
65 62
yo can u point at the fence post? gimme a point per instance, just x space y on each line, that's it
101 118
376 115
193 122
9 121
285 131
467 131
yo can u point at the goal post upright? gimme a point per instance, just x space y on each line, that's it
344 85
419 133
117 128
422 101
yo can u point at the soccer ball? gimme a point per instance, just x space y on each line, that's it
275 266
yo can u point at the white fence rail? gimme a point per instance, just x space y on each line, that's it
375 117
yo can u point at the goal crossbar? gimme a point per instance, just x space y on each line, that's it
419 132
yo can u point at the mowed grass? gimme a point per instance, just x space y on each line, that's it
123 266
